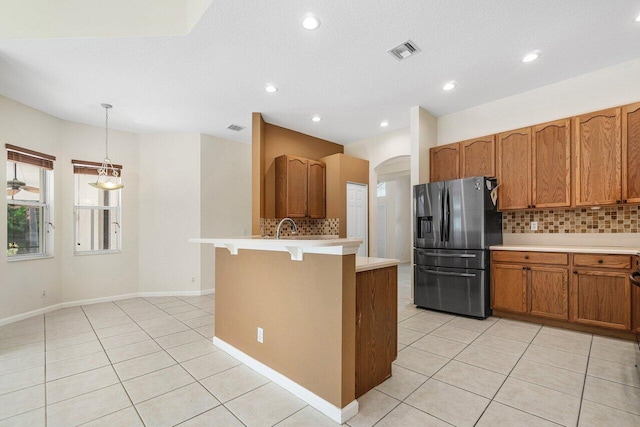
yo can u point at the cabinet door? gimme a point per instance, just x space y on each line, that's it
551 165
376 326
509 287
296 188
478 157
631 153
549 292
601 298
514 169
317 189
444 163
598 158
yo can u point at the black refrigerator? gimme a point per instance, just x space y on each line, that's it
455 222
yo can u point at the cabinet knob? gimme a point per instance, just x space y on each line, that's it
600 261
575 272
526 257
618 201
533 206
624 201
524 268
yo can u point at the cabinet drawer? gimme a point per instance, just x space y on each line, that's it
554 258
602 261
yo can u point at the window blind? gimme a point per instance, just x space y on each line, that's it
85 167
24 155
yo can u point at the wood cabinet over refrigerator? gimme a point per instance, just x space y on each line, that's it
300 187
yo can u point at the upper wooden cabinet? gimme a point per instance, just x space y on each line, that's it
300 187
598 158
631 153
444 162
551 165
316 189
478 157
514 169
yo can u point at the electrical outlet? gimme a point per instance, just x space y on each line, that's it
534 225
44 293
193 280
260 335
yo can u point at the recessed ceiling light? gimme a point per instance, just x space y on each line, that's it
449 86
530 57
270 88
384 124
310 22
316 118
638 18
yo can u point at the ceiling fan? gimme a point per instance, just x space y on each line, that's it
14 186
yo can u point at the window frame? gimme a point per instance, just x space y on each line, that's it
46 236
101 208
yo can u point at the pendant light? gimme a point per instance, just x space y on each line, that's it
107 174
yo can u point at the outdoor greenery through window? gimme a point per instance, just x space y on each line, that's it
97 213
29 216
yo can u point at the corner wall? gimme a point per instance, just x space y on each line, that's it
225 197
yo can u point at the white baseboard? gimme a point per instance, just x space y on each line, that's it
339 415
50 308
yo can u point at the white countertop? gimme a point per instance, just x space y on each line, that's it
297 247
613 250
369 263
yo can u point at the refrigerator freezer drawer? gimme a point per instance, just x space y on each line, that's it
476 259
459 291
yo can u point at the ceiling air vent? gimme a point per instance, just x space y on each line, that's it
235 128
404 50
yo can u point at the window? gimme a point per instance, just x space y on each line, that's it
29 204
382 189
97 212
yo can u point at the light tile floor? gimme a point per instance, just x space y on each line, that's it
150 361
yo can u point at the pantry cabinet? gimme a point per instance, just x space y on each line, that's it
514 169
300 187
478 157
551 165
598 158
444 162
631 153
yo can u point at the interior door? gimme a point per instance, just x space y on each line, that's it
357 215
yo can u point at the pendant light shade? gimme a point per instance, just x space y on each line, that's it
107 174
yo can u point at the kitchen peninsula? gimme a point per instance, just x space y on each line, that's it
298 312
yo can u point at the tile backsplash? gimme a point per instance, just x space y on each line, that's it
611 219
306 227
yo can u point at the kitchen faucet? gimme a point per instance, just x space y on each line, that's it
294 227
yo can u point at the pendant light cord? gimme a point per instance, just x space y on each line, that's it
106 132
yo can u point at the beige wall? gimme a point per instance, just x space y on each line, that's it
169 213
225 197
306 309
340 170
377 150
67 277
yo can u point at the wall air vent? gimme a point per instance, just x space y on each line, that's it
404 50
235 128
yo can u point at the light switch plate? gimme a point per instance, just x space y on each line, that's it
534 225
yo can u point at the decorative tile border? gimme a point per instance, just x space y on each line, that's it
306 227
610 219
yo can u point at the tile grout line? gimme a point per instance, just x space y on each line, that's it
111 364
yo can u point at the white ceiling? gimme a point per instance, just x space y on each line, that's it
215 76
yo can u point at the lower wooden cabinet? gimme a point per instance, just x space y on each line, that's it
376 326
509 287
549 292
598 291
601 298
539 290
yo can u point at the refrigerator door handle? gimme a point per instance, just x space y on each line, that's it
447 255
447 216
447 273
442 239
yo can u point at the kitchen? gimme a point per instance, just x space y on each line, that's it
171 265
